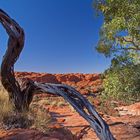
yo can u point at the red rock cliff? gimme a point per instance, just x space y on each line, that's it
85 83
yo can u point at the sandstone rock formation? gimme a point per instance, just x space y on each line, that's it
85 83
133 109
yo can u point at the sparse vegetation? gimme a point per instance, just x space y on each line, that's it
52 101
40 117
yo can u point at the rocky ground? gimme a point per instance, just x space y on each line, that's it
124 121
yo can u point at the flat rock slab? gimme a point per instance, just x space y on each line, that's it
133 109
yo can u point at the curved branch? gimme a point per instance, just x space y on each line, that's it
79 103
15 46
21 92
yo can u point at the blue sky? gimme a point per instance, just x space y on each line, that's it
61 36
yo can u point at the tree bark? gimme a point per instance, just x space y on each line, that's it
21 91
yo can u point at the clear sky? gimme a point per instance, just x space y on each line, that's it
61 35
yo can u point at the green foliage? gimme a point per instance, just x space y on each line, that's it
123 83
121 29
120 38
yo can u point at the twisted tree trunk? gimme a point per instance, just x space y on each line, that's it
21 92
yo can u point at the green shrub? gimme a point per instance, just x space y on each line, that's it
123 83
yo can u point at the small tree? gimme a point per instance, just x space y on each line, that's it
21 91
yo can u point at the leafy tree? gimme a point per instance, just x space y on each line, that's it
121 29
120 38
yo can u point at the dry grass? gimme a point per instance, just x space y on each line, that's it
40 116
6 107
37 117
51 101
41 120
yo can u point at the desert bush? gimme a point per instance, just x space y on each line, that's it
40 117
123 83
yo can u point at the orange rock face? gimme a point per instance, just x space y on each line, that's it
133 109
84 83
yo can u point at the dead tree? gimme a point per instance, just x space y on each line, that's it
21 91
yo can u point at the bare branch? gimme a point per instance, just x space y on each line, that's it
131 40
80 104
15 45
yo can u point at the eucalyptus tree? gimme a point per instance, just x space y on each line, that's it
120 31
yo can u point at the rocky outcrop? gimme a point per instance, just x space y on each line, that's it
85 83
133 109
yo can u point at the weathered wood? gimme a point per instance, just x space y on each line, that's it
15 45
80 104
21 91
